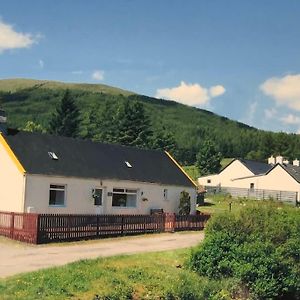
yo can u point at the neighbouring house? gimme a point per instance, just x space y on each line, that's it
277 177
51 174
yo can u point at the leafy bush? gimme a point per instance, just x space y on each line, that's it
258 246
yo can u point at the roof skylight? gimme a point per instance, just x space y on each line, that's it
128 164
53 155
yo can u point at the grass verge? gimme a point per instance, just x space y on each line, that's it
160 275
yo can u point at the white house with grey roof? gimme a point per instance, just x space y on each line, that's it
277 177
51 174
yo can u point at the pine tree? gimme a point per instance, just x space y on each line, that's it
164 140
208 159
133 126
66 120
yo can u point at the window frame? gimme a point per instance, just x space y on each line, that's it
124 191
52 188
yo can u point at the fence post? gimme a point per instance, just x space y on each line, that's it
37 229
12 225
98 221
296 200
122 225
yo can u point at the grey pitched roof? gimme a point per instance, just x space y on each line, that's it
294 171
256 167
87 159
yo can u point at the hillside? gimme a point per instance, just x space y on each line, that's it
26 99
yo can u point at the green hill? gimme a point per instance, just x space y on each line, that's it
35 100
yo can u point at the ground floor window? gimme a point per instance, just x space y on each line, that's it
124 197
57 195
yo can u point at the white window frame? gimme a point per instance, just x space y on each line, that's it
58 189
125 193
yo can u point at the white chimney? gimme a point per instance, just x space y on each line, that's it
279 159
285 162
296 162
271 160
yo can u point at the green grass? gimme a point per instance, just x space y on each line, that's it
144 276
221 203
193 171
13 85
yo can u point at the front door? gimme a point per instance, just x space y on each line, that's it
98 200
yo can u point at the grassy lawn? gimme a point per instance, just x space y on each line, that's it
145 276
221 203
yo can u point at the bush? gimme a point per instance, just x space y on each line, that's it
259 247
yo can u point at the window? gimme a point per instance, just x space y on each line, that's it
208 181
165 194
124 197
97 195
128 164
251 186
57 195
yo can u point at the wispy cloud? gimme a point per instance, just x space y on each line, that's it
11 39
270 113
290 119
98 75
285 90
41 63
192 94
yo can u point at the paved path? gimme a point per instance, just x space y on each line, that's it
17 257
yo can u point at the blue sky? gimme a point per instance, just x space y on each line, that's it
237 58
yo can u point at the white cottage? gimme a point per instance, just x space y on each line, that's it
277 179
43 173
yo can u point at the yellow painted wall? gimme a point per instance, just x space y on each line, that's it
79 195
11 183
277 179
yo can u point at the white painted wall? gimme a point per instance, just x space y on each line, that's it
79 195
225 178
11 184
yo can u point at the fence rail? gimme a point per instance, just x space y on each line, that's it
46 228
259 194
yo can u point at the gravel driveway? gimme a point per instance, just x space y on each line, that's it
17 257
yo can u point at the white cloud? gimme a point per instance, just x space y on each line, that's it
11 39
290 119
98 75
217 90
190 94
41 63
285 90
270 113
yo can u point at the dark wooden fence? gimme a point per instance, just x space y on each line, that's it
46 228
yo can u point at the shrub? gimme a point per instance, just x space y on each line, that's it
258 246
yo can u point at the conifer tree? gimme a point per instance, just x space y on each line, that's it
66 120
208 159
164 140
133 126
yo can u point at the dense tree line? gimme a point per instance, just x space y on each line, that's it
164 124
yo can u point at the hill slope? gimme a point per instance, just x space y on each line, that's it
26 99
